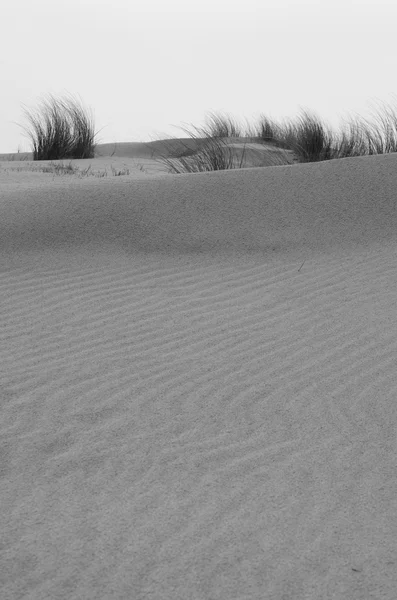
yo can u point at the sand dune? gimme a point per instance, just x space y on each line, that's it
198 384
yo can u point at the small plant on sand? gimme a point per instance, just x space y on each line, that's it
119 172
60 169
62 130
208 148
213 154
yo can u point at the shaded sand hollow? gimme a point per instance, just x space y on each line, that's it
198 382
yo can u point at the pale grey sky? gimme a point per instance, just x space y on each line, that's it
144 66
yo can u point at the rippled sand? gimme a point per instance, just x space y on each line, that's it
198 383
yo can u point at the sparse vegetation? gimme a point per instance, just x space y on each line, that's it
63 130
214 154
212 149
308 138
311 140
69 169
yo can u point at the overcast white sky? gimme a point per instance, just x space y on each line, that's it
144 66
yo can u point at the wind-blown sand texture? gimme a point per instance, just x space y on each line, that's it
198 383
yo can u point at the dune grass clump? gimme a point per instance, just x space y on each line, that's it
311 140
213 154
62 130
222 126
307 137
380 139
212 150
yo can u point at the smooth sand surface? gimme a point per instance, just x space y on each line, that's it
198 383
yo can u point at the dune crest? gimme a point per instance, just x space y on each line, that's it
315 206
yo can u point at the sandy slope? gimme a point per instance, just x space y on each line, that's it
198 384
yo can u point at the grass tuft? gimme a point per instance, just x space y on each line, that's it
62 130
222 126
311 140
211 150
59 169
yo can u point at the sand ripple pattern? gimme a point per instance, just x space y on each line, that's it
174 429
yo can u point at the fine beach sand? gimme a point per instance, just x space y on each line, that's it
198 382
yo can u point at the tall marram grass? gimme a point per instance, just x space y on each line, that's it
62 129
307 137
312 140
211 150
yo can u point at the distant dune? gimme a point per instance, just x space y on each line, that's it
198 380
